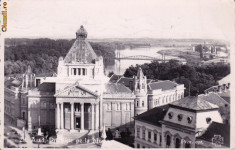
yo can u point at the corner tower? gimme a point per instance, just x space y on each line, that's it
28 79
140 89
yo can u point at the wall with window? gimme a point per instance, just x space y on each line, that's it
41 110
159 97
176 137
117 113
181 117
147 135
204 118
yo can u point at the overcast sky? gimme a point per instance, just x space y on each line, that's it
121 18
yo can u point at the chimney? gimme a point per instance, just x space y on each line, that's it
224 88
228 86
219 89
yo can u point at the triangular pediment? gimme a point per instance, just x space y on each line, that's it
76 91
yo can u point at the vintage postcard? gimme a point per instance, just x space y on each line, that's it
126 74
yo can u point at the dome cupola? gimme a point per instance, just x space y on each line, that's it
81 33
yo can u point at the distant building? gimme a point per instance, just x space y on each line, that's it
179 124
150 93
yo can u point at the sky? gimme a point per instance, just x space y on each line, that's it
121 18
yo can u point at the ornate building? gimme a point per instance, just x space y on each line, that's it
80 98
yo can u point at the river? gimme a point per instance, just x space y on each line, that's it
124 64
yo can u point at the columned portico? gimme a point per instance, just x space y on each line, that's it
92 116
77 116
62 116
72 115
82 116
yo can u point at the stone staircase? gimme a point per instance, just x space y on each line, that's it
66 137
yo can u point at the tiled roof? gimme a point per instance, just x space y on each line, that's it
194 103
153 116
114 78
216 128
81 51
225 96
113 88
125 81
225 80
12 82
214 98
164 85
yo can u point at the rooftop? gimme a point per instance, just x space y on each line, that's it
194 103
12 82
153 116
81 50
164 85
114 78
113 88
225 80
214 98
216 128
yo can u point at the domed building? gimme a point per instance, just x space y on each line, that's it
81 99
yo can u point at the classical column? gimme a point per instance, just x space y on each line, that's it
72 115
146 135
62 116
92 116
97 116
158 139
152 136
141 133
58 115
82 115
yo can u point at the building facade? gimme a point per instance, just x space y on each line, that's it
180 124
81 98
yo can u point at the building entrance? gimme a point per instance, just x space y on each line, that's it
78 123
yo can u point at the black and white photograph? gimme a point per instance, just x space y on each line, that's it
126 74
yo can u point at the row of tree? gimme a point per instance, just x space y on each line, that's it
42 55
196 79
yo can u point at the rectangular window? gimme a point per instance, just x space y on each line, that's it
160 139
23 115
83 71
38 82
143 134
142 103
137 103
155 137
138 132
149 135
74 71
79 71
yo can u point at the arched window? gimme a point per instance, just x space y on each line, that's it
187 145
170 115
180 117
190 119
168 141
177 143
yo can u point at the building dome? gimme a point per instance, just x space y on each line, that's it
81 33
